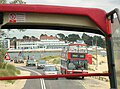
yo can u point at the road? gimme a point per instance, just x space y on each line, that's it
61 83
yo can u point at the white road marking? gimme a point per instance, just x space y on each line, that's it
42 80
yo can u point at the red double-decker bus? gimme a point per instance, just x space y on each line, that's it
75 59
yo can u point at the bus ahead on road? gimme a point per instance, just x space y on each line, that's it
79 19
75 59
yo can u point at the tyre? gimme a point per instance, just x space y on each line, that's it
82 77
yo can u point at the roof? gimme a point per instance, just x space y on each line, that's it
97 15
47 37
77 44
28 40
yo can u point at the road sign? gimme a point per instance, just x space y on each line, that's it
12 17
7 56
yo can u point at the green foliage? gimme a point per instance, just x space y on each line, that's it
43 35
96 40
91 69
17 2
61 36
99 41
5 72
87 39
2 53
3 1
3 65
18 72
73 38
56 61
9 70
26 37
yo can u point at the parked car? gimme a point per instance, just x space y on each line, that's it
30 63
50 70
19 59
15 60
41 64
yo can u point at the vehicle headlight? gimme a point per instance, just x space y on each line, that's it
70 72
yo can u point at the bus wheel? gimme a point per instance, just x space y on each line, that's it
82 77
61 72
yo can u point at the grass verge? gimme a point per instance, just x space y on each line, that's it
52 59
9 70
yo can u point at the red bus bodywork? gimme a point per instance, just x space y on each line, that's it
75 55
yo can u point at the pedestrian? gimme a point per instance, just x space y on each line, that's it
28 57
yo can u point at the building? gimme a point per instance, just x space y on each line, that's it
5 43
47 42
30 43
51 42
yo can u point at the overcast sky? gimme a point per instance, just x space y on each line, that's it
103 4
107 5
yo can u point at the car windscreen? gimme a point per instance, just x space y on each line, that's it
50 68
42 62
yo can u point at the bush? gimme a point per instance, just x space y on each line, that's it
91 69
17 71
4 72
3 65
56 61
12 70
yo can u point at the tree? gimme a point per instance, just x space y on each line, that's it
26 37
73 38
17 2
87 39
2 53
43 35
3 1
98 40
32 36
61 36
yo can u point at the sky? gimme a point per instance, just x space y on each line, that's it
106 5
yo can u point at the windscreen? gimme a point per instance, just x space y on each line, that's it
34 45
77 65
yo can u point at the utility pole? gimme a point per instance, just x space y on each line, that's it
96 56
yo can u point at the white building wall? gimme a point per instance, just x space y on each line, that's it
5 43
39 44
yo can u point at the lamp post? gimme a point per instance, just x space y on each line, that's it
96 56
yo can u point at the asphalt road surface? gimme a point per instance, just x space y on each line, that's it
61 83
